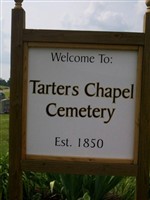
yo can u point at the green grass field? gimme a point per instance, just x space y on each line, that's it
4 125
4 133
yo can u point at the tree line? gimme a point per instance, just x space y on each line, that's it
3 82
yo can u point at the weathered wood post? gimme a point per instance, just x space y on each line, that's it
15 172
143 164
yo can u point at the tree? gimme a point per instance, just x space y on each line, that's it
4 83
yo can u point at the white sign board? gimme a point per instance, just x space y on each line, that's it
81 103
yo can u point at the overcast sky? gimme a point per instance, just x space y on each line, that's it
118 15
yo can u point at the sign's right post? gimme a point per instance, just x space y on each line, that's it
144 126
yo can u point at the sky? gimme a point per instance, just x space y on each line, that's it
91 15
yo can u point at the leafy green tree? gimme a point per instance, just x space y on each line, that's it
3 82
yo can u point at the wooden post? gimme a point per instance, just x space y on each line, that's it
15 172
143 164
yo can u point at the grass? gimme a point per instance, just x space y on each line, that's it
4 133
4 125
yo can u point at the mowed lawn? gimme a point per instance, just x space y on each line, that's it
4 133
4 125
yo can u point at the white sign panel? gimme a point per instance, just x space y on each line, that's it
81 103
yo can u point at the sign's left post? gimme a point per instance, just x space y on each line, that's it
15 126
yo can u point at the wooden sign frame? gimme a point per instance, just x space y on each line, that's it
18 161
66 45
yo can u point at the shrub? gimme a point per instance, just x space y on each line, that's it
47 186
4 175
